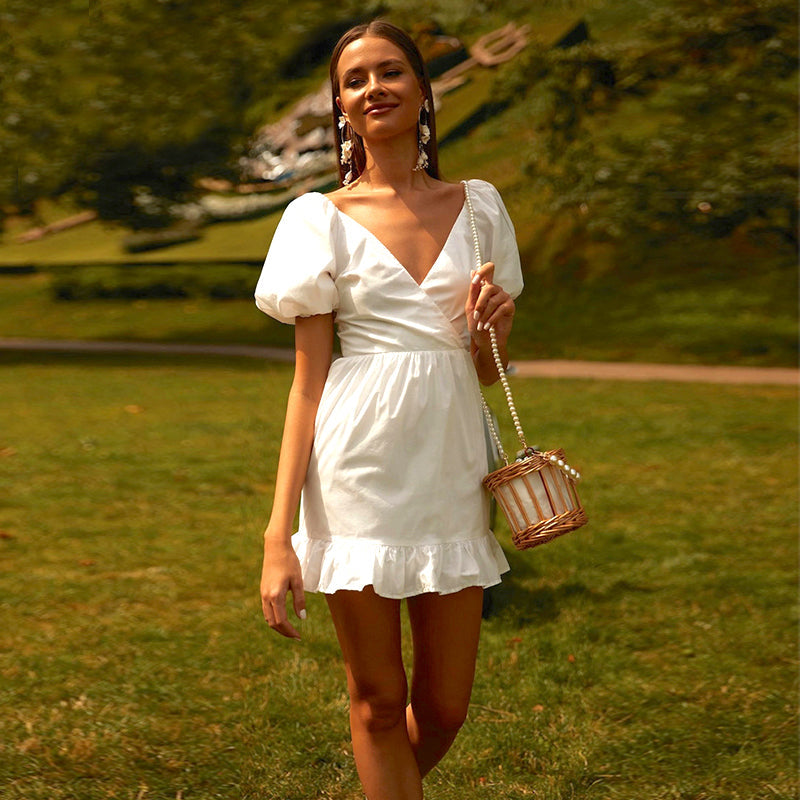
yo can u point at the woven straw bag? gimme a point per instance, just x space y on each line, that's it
537 492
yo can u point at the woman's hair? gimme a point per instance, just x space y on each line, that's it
398 37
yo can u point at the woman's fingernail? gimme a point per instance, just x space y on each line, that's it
480 326
476 278
475 315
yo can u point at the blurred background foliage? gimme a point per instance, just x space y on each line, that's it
710 89
651 168
102 99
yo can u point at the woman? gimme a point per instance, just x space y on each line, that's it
386 442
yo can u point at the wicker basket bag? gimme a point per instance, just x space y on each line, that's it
537 492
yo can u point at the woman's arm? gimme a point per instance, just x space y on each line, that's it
488 306
281 570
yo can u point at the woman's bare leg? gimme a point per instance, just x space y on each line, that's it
368 627
445 631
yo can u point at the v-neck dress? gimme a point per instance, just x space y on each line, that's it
393 496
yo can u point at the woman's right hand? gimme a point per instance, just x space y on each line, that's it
281 574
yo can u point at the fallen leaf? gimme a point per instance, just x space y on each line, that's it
538 708
571 658
6 535
87 562
134 409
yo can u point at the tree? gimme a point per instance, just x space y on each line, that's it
123 100
714 146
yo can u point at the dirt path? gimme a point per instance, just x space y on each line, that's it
684 373
595 370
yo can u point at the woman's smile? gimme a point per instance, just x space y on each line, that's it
379 108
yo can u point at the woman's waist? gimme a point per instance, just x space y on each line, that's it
402 352
380 367
377 336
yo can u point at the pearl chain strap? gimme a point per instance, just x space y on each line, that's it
526 449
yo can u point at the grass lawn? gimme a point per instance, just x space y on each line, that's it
651 655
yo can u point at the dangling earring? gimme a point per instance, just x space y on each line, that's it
346 157
423 137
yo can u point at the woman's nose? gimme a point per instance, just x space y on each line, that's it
374 86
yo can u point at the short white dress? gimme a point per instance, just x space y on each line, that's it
393 495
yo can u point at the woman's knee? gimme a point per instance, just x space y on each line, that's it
379 708
441 714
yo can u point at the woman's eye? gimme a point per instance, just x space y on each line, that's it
355 82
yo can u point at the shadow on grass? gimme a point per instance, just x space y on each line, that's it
514 597
531 606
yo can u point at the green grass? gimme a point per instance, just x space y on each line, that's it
27 309
101 241
651 655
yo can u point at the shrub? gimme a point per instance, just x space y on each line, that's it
141 281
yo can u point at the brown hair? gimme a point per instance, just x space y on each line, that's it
398 37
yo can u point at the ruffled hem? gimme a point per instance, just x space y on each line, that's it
399 571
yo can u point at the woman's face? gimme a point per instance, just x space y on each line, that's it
378 90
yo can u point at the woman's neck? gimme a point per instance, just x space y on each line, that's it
390 165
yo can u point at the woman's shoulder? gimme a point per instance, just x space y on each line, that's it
307 201
490 210
483 189
310 209
486 199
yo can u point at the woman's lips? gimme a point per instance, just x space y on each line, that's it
375 110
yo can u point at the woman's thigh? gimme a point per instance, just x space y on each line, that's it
368 629
445 630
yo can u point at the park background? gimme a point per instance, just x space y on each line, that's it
649 165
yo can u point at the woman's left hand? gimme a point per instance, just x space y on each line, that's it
488 306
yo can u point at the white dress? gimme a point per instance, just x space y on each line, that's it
393 494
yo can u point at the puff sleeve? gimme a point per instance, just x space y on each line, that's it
497 237
297 279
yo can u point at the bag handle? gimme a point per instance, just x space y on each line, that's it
495 352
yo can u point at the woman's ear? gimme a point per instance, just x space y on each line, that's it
339 105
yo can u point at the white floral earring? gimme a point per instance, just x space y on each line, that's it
346 157
423 136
